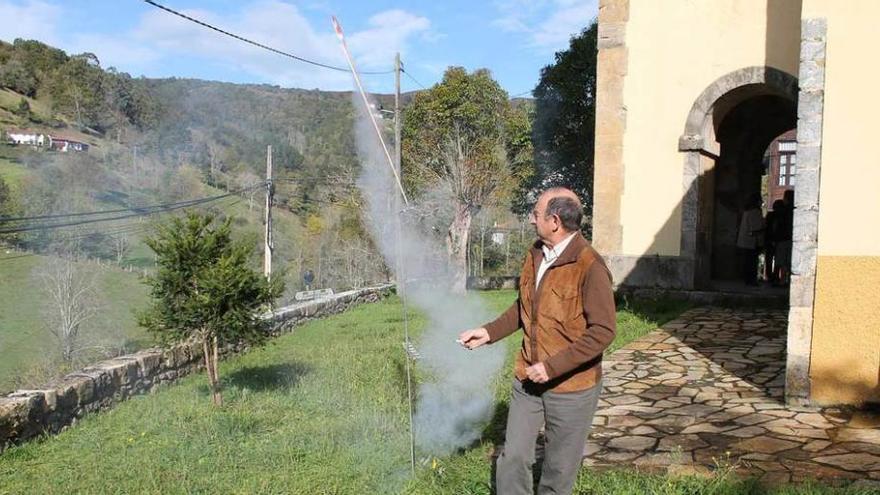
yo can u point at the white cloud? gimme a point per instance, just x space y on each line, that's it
547 24
387 33
29 19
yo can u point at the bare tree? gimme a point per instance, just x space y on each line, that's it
121 247
471 188
70 302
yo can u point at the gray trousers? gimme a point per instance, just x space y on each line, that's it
567 419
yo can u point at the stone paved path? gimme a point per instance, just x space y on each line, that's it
707 388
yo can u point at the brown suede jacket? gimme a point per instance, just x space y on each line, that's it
567 321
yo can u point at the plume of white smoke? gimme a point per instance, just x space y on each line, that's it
456 400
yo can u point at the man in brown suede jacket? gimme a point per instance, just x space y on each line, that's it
566 310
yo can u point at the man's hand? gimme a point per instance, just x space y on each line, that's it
537 373
473 338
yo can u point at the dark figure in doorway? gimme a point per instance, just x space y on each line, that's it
772 235
750 237
782 269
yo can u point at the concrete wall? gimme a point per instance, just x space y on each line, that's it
25 414
845 358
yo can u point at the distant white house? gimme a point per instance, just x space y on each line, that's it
54 143
64 145
27 138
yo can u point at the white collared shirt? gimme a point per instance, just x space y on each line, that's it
550 256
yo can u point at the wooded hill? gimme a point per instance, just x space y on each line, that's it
220 128
157 140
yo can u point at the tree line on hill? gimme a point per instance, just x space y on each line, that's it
94 98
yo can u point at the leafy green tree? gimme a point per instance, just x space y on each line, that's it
77 90
455 138
205 291
520 155
16 76
39 57
565 119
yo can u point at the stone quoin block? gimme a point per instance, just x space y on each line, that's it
809 132
801 291
808 157
810 106
613 10
814 29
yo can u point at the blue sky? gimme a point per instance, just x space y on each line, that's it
512 38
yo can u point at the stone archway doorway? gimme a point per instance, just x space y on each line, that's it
726 134
743 135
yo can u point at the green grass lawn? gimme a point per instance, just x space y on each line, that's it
25 344
12 173
320 410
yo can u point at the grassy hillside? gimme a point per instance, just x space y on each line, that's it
27 349
9 100
25 343
13 173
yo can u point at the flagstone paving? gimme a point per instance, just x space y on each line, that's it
706 390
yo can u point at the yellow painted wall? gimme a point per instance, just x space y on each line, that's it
676 50
850 178
845 358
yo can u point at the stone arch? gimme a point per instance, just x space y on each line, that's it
698 141
751 80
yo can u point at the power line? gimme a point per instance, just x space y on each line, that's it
326 181
152 211
135 209
127 228
413 79
257 44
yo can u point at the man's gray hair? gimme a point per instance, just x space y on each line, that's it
568 210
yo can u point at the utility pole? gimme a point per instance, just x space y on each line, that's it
397 69
270 192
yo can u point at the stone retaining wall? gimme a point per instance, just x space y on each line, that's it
493 283
25 414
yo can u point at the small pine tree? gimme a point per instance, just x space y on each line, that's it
205 291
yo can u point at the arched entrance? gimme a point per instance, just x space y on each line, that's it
726 134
